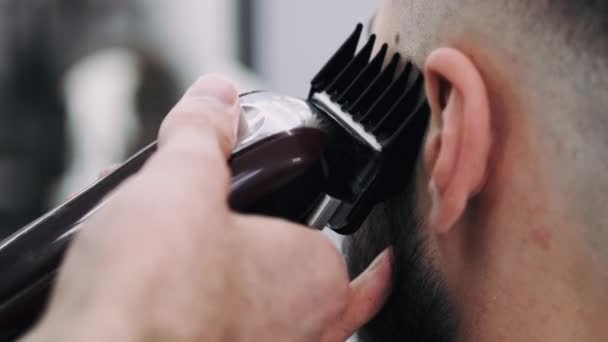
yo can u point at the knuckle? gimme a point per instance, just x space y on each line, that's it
200 166
201 116
187 117
127 201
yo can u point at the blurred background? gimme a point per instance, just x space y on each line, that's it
85 83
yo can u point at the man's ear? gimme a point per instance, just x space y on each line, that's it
456 154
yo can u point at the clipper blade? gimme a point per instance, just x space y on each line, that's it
380 114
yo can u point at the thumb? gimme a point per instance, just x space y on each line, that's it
367 296
196 139
206 117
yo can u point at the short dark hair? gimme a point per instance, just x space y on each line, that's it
583 22
419 308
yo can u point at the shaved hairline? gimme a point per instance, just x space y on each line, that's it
559 52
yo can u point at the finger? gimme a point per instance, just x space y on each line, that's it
367 296
197 137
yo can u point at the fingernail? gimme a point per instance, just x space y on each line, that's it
215 87
387 253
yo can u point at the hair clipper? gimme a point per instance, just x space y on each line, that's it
324 161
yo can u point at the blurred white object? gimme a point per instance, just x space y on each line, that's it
197 37
100 93
192 37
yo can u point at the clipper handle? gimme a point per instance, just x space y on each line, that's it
283 168
29 259
277 168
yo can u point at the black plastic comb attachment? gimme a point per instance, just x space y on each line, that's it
401 111
363 104
352 70
362 82
337 62
381 108
378 118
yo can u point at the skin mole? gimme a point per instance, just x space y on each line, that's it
542 237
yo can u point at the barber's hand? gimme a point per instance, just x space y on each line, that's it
166 259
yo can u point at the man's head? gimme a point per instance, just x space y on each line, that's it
500 235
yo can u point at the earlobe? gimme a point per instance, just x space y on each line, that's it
457 150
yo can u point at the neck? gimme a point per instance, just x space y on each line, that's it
542 284
540 279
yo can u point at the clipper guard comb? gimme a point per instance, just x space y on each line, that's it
382 115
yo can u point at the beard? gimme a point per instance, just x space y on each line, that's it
419 308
